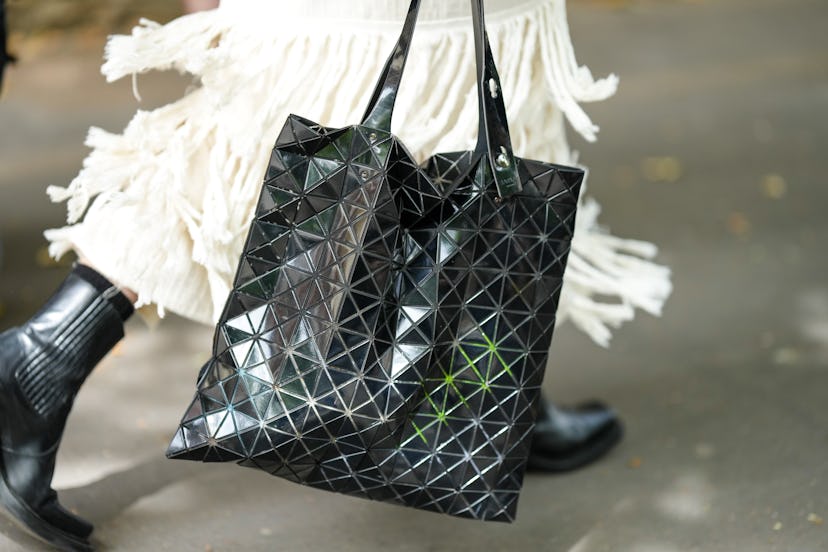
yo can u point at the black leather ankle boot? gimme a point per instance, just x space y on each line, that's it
566 439
42 366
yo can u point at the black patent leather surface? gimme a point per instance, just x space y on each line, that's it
388 328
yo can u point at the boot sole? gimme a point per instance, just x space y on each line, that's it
26 519
590 451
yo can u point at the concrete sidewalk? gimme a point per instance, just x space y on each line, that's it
714 148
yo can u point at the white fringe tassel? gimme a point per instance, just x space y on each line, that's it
603 266
163 208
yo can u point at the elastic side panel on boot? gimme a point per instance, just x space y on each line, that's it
50 379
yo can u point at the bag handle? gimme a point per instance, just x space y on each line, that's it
381 107
493 137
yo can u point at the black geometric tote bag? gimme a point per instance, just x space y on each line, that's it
343 392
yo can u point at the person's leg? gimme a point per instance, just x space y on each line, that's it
566 439
191 6
43 364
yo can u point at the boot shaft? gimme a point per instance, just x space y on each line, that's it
53 353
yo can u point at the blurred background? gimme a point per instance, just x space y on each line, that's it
714 148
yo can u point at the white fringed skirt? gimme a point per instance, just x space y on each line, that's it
164 207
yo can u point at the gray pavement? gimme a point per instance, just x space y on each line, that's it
714 148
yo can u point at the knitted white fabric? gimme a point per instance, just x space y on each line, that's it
164 207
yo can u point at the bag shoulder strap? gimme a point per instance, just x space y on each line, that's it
493 137
381 107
